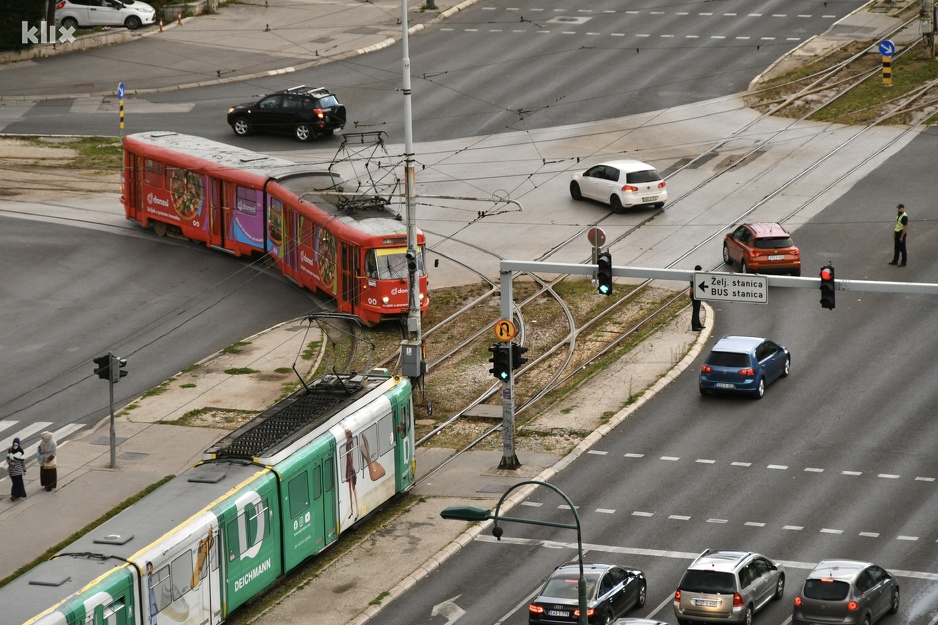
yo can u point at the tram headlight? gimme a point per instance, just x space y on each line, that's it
420 296
385 300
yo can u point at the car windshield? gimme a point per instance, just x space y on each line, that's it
565 586
773 242
636 177
708 581
728 359
826 590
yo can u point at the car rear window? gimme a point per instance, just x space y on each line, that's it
728 359
708 581
649 175
826 590
565 586
327 101
773 242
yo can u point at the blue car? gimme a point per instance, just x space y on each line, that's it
744 364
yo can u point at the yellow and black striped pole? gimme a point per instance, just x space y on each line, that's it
120 99
887 71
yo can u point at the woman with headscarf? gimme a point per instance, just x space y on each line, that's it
48 474
16 463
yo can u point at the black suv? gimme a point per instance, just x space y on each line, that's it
304 113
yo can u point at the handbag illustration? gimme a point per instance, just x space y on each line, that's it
375 470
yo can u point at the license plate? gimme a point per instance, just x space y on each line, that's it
708 603
650 199
558 613
719 385
777 257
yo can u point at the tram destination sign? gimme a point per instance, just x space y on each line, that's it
731 287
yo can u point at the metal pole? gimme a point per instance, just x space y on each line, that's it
509 456
112 362
414 338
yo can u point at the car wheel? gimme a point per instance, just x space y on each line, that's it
894 604
704 391
241 127
726 255
303 132
70 22
132 22
616 204
747 619
779 587
796 272
866 620
683 621
787 368
160 228
760 389
642 595
743 267
575 191
607 617
659 205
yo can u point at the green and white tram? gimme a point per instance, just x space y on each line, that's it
265 498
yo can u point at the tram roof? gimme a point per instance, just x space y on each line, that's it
224 154
293 419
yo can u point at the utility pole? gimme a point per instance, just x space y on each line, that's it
928 27
413 364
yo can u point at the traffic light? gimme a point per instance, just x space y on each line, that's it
827 286
604 273
102 366
501 367
117 368
517 355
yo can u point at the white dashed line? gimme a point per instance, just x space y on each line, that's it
642 35
744 37
597 453
564 506
671 458
813 470
705 14
640 513
717 521
792 38
533 504
888 476
741 464
605 511
679 517
870 534
767 38
634 455
729 15
825 530
754 524
704 461
779 467
906 537
796 528
851 472
779 15
717 36
691 36
924 479
754 15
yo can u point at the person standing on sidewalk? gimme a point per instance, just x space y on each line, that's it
695 324
48 473
16 463
900 236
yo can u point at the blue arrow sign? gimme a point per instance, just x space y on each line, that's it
120 87
886 47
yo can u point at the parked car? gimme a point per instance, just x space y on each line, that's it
89 13
846 592
727 587
744 364
762 248
621 184
610 592
304 113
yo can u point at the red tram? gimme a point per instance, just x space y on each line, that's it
244 202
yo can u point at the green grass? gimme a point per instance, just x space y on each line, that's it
235 348
240 371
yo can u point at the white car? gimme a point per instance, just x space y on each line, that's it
621 184
90 13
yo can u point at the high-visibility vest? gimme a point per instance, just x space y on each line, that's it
899 220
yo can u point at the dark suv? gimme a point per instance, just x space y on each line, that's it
304 113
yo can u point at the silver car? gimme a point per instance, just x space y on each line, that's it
846 592
727 587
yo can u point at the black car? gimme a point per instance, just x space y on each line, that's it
610 592
304 113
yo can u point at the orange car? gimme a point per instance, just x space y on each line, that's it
762 248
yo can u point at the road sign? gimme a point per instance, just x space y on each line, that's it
887 48
596 236
504 330
731 287
120 91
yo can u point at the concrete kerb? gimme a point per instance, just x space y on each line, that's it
520 494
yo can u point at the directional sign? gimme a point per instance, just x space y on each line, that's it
120 91
504 330
887 48
731 287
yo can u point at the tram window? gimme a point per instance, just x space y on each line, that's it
327 482
370 444
299 495
386 434
161 588
154 173
115 613
371 265
253 523
317 482
182 574
246 201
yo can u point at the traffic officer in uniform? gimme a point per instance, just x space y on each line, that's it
900 236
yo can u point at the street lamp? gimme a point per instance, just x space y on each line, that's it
476 513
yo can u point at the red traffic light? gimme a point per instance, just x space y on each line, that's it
826 273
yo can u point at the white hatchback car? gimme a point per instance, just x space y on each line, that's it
90 13
621 184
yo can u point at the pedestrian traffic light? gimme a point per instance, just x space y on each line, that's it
117 368
102 366
604 273
517 355
501 367
827 286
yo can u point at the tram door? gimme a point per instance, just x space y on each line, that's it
326 467
218 217
349 276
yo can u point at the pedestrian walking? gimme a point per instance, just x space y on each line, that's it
695 324
900 237
16 464
48 473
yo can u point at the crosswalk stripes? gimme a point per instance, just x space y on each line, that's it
7 434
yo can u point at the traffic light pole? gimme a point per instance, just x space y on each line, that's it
110 384
509 456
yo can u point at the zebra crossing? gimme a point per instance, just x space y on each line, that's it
9 431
